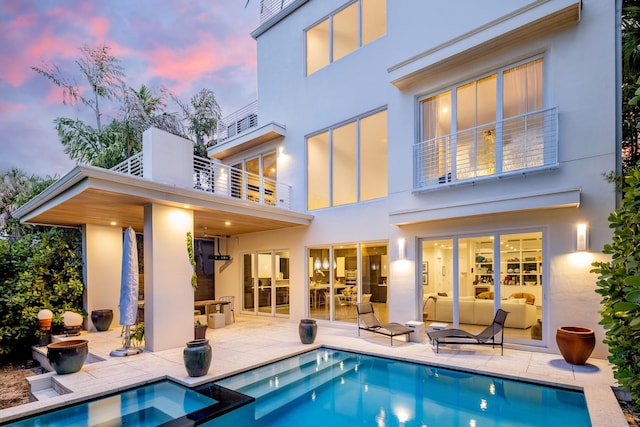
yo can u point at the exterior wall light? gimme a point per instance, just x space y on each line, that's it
402 248
582 237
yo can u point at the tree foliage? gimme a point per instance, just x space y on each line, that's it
40 267
202 115
619 285
630 72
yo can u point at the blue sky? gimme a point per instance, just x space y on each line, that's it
182 45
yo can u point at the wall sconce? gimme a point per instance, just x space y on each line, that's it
582 237
402 248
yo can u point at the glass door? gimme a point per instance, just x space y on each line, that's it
248 283
265 283
282 283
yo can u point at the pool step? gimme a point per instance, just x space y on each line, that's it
45 386
294 389
277 384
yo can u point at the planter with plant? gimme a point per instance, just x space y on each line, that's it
619 285
199 330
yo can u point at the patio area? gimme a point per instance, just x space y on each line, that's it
253 341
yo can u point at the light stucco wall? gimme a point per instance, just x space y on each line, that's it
579 78
168 295
102 252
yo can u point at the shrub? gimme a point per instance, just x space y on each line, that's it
38 270
619 285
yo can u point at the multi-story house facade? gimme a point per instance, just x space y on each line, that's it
470 136
443 160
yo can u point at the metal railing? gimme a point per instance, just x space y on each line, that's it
217 178
270 8
517 145
240 121
131 166
214 177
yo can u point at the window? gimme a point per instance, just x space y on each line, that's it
488 126
344 31
340 276
348 163
480 274
255 179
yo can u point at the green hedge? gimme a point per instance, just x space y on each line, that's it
39 270
619 285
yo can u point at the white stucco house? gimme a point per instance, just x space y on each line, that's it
439 159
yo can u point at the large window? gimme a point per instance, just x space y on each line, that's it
465 279
348 163
488 126
340 276
344 31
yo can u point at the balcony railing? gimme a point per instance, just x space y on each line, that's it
131 166
518 145
240 121
220 179
270 8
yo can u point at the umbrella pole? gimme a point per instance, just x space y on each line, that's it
127 350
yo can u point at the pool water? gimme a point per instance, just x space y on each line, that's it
150 405
332 388
336 388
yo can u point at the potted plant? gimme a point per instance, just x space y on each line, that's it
199 330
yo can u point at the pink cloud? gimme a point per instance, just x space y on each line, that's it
11 107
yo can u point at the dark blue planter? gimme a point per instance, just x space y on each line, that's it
307 331
102 319
197 357
67 357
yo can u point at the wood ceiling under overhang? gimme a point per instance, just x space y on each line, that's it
90 195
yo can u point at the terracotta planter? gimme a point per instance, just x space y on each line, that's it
575 343
307 331
67 357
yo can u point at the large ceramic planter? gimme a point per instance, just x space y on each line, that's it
67 357
197 357
575 343
307 331
102 319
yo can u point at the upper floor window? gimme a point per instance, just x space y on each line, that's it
490 126
345 31
348 163
254 179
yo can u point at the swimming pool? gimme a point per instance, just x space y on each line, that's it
329 387
337 388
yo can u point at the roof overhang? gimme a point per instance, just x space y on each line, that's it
530 21
554 199
246 140
90 195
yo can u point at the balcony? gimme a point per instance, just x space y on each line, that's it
519 145
214 177
270 8
241 130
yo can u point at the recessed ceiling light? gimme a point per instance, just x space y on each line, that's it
227 223
113 223
186 206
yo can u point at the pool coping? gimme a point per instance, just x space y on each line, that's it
602 403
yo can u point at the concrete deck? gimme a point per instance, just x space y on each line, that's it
253 341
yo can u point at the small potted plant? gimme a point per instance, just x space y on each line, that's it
200 330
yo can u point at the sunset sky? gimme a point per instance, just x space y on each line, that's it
182 45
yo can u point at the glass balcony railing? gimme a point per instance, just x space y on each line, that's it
518 145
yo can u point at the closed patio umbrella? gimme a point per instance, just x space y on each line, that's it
128 292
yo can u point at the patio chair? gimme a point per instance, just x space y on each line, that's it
486 337
368 321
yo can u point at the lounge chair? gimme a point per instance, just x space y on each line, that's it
368 321
486 337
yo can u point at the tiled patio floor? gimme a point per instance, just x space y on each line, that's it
252 341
